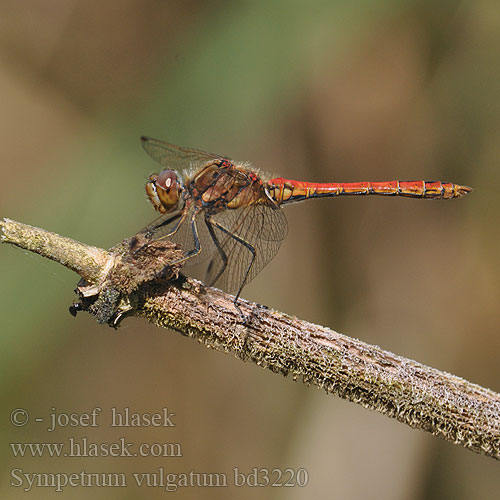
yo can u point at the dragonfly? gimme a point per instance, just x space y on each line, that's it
229 214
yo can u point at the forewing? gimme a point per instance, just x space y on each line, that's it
176 157
263 227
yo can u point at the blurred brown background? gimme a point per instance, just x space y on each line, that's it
322 90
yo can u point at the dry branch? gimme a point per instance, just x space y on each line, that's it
119 282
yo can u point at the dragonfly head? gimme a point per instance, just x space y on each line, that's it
164 190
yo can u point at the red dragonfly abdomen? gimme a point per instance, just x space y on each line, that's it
288 191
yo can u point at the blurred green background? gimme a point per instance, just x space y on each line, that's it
320 90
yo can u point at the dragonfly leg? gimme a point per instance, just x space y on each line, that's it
250 248
197 245
191 253
209 223
180 216
149 231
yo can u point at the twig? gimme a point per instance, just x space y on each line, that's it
120 282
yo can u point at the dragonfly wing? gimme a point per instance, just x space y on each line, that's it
176 157
263 227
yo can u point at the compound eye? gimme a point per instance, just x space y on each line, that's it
167 189
167 180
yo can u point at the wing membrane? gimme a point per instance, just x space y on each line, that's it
176 157
263 227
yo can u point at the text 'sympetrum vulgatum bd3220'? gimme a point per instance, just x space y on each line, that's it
230 215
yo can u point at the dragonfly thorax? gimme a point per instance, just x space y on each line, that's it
164 190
